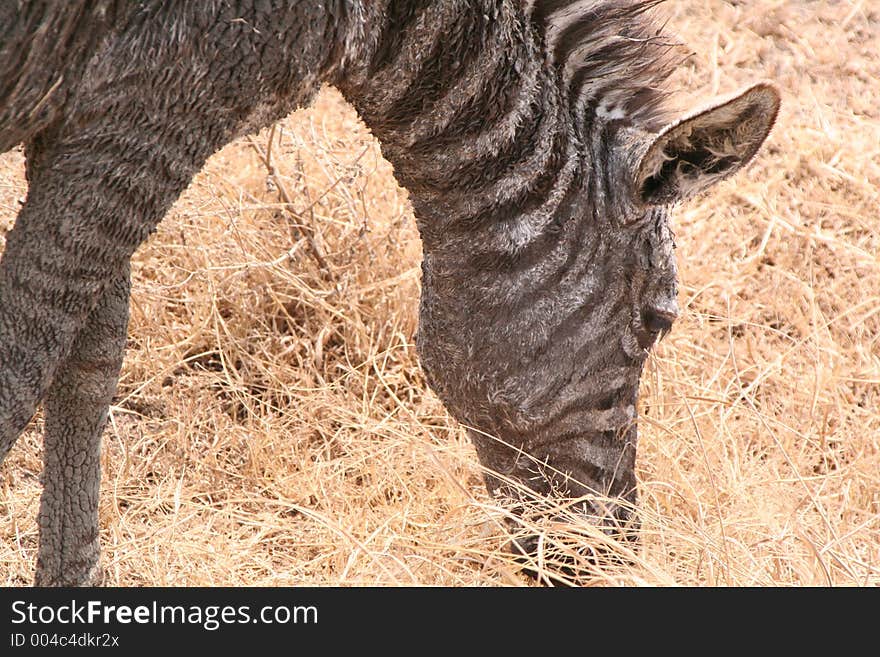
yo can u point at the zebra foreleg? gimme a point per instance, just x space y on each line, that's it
76 412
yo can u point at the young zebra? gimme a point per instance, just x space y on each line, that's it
532 140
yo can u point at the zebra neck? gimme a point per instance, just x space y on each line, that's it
471 115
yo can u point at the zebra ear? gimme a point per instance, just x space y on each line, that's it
703 148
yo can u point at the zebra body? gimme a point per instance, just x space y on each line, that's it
532 139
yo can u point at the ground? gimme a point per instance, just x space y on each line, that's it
273 427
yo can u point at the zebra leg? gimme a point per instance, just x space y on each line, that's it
43 304
76 412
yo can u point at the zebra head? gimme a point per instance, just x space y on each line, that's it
535 338
540 164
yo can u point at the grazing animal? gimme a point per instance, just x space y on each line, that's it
530 135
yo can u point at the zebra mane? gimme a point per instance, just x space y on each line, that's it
613 58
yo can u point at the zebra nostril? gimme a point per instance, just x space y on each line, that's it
657 320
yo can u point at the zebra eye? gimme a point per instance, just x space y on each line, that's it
638 216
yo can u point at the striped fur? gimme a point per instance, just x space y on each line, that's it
529 135
500 126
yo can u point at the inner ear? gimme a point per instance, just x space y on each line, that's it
694 153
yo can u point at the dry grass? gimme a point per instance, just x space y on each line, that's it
273 427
